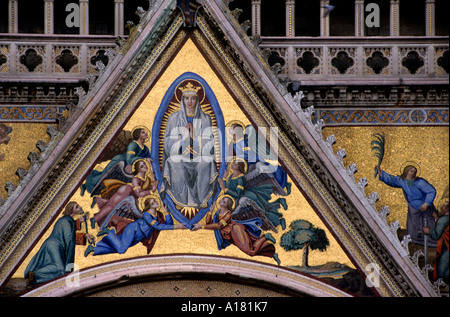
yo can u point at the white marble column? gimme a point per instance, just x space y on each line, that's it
430 9
359 18
13 26
49 22
290 18
256 17
395 18
119 18
324 20
84 17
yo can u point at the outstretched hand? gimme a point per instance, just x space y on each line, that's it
196 227
377 170
180 226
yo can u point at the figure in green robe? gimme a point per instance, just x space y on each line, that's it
254 198
56 256
136 150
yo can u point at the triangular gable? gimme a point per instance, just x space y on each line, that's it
313 167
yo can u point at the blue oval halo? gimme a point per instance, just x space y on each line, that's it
168 103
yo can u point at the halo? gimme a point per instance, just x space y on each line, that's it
184 83
227 196
142 200
412 163
146 162
228 127
142 127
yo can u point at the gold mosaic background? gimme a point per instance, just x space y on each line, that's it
23 141
202 241
428 146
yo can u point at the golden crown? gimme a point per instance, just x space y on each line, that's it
190 87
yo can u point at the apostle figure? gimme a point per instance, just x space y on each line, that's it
419 195
440 232
57 254
188 165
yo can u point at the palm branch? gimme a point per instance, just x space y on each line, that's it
378 147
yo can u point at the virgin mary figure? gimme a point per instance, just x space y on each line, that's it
189 167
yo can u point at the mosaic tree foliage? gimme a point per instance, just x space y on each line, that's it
303 235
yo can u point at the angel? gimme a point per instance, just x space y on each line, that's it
121 198
247 143
126 149
253 195
146 229
246 234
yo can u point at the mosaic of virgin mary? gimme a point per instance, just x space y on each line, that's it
187 148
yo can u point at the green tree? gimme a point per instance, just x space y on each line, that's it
303 235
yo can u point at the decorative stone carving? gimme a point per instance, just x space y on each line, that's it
10 188
308 62
394 227
377 62
33 157
276 60
340 156
3 59
21 173
405 242
443 61
416 256
246 25
41 146
331 139
352 169
81 93
297 98
141 13
66 60
100 56
319 126
437 285
309 112
31 59
413 61
384 212
427 268
236 13
52 132
362 183
342 62
373 198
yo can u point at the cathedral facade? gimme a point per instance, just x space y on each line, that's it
302 112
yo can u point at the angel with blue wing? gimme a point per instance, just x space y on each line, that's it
122 153
252 200
250 144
